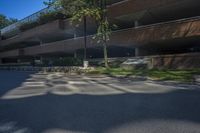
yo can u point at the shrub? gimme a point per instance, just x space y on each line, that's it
65 61
43 19
51 16
29 25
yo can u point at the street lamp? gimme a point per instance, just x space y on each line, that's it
85 62
85 38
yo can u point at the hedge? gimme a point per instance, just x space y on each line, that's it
43 19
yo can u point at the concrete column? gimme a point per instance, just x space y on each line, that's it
18 61
1 61
32 62
136 23
75 36
75 54
41 42
41 60
0 36
141 52
136 51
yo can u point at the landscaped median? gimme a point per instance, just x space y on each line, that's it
153 74
186 76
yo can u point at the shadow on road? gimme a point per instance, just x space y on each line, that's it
97 113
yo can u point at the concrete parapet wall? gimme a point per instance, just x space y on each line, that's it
132 37
130 6
34 33
177 61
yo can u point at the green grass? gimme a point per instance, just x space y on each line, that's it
174 75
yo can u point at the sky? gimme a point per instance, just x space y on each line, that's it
20 8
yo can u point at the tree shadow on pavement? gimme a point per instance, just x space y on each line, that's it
101 113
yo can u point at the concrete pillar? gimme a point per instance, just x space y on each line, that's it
136 51
41 60
41 42
0 36
141 52
18 61
136 23
75 36
1 61
75 54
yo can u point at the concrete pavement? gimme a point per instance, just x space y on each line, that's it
59 103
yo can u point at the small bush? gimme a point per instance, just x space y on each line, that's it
65 61
51 16
29 25
43 19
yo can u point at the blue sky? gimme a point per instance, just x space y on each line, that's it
20 8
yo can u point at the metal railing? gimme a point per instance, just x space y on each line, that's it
14 28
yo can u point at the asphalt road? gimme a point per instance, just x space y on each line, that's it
57 103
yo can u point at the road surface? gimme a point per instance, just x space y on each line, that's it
59 103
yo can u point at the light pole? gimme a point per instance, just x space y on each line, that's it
85 62
85 38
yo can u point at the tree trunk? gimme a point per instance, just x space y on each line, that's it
105 51
105 54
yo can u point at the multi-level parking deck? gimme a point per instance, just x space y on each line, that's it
146 27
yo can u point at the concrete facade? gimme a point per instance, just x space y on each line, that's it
155 27
177 61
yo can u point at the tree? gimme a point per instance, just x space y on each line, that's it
12 20
80 9
4 21
104 31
